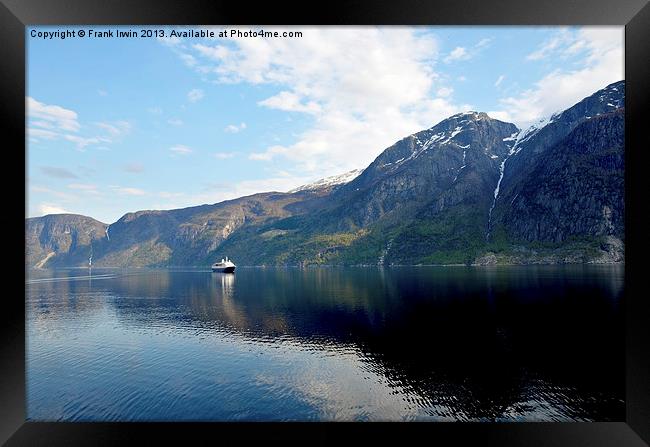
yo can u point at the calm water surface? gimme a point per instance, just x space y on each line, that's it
412 343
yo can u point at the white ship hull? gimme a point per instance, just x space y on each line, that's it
225 266
229 269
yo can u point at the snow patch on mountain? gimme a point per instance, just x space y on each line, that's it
512 137
521 136
611 97
439 138
328 182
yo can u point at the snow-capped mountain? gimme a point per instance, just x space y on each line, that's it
587 191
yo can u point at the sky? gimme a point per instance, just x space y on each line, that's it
120 124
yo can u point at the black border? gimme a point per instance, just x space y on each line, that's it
634 14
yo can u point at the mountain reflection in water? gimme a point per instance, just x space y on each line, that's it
411 343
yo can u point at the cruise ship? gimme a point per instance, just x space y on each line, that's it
225 266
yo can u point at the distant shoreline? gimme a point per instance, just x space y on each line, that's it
329 266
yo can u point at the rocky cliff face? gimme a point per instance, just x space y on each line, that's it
564 184
471 189
50 238
575 188
531 143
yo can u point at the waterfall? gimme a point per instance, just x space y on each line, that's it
502 169
462 167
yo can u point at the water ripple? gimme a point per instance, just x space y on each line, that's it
321 345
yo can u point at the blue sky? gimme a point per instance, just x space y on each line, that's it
117 125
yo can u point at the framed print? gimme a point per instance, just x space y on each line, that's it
414 219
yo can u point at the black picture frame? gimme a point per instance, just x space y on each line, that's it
15 15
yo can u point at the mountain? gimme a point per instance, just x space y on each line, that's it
156 238
564 182
471 189
61 235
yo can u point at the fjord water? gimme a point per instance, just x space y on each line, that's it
520 343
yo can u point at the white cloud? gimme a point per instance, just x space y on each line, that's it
341 142
576 47
35 134
61 118
463 53
550 46
170 41
52 122
444 92
195 95
269 154
457 54
217 52
51 208
180 149
101 92
359 103
155 110
234 128
289 102
177 46
499 80
500 115
115 129
43 124
82 142
484 43
189 60
601 64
